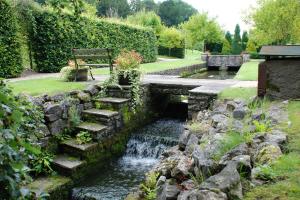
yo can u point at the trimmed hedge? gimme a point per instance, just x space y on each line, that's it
56 35
175 52
10 56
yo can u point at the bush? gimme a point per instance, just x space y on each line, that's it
10 56
57 34
174 52
254 55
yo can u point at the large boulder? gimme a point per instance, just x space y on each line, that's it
192 143
183 139
228 181
241 149
220 122
57 126
277 137
202 195
183 168
168 191
266 153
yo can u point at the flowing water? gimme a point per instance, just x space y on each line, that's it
124 174
215 74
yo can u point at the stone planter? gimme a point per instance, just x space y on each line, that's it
82 74
126 80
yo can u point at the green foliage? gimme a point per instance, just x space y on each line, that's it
11 60
198 178
146 19
175 12
226 49
149 187
74 116
245 39
113 8
171 38
41 163
83 137
173 52
20 124
237 41
263 126
58 34
201 28
276 22
62 137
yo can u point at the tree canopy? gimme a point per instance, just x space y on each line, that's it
113 8
174 12
201 27
276 22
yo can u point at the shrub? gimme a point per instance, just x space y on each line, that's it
83 137
10 56
57 34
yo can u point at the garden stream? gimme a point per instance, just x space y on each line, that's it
124 174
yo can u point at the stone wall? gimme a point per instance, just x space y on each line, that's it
182 70
283 78
225 60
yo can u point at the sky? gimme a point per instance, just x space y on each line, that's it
228 12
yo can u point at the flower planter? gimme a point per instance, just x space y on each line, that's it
82 74
123 80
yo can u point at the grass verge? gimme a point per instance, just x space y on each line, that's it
248 71
239 93
49 86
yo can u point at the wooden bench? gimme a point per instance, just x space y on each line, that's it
93 54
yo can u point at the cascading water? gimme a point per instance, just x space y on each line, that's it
122 175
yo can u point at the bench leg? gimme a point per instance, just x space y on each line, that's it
91 73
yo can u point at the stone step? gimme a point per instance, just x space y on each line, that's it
67 165
100 113
112 103
97 130
71 147
111 119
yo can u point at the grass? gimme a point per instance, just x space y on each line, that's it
192 58
240 93
287 167
50 86
248 71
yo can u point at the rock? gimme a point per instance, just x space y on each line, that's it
266 153
277 137
57 127
57 97
188 185
53 109
239 113
192 143
183 169
168 191
243 163
88 105
92 90
52 117
238 126
203 115
228 181
202 195
257 177
259 115
161 181
84 97
241 149
183 139
203 163
231 106
173 151
220 122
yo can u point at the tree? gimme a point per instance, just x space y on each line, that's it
150 5
276 21
136 6
245 40
228 37
113 8
146 19
201 28
171 38
251 47
226 49
175 12
236 43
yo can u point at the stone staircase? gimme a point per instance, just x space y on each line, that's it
101 124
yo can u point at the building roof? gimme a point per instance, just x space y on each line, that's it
285 50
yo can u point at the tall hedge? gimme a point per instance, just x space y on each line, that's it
10 56
57 34
174 52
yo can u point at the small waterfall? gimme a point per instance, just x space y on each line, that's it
126 173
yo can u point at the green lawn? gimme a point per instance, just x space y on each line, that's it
45 86
241 93
191 58
248 71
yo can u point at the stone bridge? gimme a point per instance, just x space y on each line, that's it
235 61
200 92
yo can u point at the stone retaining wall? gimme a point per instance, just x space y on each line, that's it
179 71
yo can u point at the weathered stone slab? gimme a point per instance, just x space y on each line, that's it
100 113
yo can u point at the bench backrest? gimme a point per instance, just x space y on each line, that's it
92 53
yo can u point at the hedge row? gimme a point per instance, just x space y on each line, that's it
10 56
174 52
57 34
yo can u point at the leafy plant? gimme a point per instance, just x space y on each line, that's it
149 187
74 117
198 178
41 163
62 137
83 137
261 126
